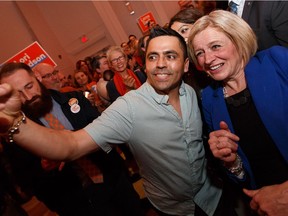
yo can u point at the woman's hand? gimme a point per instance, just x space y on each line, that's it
129 82
223 144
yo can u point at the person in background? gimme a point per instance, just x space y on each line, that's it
124 79
54 79
268 19
81 65
100 65
65 85
141 50
133 44
71 189
182 22
245 108
85 84
125 46
160 121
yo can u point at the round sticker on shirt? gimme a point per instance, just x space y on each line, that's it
73 101
75 108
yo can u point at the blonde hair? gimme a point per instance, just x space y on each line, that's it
114 49
234 27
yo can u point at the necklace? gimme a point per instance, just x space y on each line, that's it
225 92
238 99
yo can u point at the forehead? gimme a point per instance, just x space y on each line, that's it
19 79
45 69
80 73
115 53
103 60
209 35
164 43
178 25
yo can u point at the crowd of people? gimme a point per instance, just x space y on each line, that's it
196 108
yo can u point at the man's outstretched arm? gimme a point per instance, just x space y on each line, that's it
45 142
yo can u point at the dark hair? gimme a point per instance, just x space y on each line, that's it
79 71
96 62
131 35
141 44
160 31
9 68
78 64
108 75
188 15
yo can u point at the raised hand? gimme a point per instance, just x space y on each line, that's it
10 106
129 82
223 143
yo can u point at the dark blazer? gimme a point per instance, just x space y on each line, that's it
86 114
269 20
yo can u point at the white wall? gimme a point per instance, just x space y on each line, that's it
59 25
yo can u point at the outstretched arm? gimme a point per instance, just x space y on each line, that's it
45 142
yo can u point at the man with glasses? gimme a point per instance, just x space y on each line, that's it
48 76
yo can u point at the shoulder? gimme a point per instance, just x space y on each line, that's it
210 92
276 55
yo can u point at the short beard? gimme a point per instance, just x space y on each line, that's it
35 110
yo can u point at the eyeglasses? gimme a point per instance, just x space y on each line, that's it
120 58
49 75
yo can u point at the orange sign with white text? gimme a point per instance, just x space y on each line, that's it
32 55
144 20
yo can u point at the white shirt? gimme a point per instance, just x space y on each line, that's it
240 7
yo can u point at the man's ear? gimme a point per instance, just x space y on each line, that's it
37 75
186 65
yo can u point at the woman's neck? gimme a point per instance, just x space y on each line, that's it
234 86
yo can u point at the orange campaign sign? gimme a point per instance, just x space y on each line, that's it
144 20
32 55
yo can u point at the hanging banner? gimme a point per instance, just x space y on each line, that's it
32 55
145 21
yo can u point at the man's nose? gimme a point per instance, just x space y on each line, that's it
27 95
161 62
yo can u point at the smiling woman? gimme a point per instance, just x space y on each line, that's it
124 79
236 111
183 21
